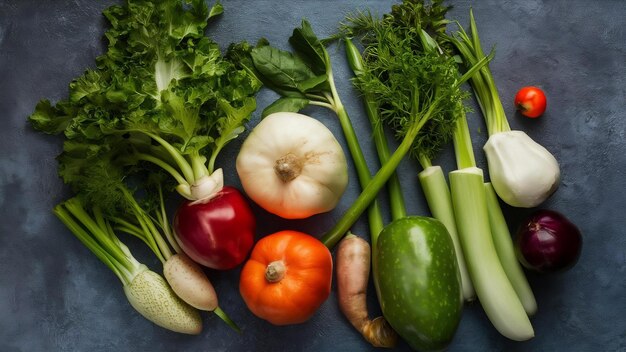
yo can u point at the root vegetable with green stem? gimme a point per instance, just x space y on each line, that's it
99 180
146 290
166 90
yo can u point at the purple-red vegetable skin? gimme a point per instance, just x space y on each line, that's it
547 242
218 233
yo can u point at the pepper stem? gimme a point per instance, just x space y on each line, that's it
275 271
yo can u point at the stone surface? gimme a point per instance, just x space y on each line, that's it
55 295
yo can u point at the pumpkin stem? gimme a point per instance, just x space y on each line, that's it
288 167
275 271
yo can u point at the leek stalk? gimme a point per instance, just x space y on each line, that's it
437 194
493 288
491 281
506 252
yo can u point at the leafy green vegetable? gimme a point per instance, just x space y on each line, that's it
393 64
161 77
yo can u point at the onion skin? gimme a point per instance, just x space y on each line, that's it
548 242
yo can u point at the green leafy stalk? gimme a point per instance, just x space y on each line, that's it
163 78
483 83
491 107
378 181
99 239
304 78
493 288
397 205
506 252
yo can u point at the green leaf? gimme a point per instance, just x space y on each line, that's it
314 84
309 48
185 21
216 10
288 104
283 69
232 125
49 119
160 77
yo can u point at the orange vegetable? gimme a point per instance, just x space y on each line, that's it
287 277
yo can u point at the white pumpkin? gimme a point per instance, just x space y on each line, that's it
292 166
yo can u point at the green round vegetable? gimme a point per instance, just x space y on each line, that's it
419 284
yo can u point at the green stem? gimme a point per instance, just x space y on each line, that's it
396 199
211 166
127 227
75 207
158 245
424 161
322 104
161 243
143 144
165 226
375 218
163 165
317 97
198 165
68 220
483 83
183 165
225 318
378 181
463 142
150 238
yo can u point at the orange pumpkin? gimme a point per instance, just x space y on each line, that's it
287 277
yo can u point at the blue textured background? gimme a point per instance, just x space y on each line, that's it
55 295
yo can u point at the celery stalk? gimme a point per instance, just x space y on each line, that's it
493 288
437 195
506 252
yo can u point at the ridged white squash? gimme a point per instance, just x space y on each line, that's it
153 298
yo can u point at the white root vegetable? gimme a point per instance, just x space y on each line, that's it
147 291
185 277
153 298
353 269
292 166
190 282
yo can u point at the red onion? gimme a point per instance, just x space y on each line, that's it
547 242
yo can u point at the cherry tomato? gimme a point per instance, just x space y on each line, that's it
218 233
530 101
